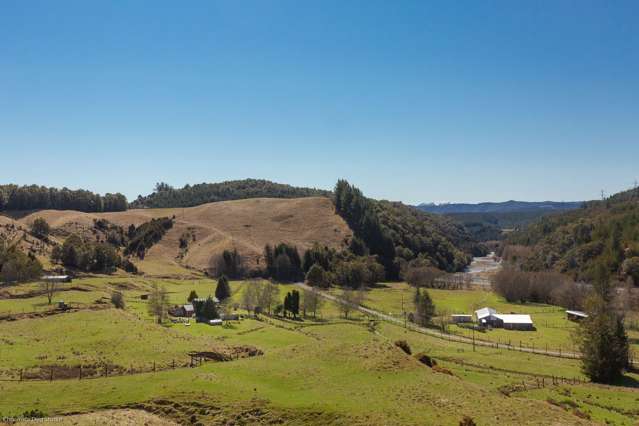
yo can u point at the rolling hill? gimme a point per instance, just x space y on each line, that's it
243 224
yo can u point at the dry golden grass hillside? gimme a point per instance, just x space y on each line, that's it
246 225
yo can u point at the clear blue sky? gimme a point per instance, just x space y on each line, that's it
412 101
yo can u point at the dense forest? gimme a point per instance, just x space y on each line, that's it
34 197
489 226
397 233
166 196
600 233
503 207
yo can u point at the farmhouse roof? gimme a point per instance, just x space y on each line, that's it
188 308
55 277
484 312
515 318
461 315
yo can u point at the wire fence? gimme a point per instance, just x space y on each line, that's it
90 371
521 347
106 369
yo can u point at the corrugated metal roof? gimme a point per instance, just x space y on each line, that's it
578 313
515 318
484 312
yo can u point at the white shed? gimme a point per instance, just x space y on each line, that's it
516 321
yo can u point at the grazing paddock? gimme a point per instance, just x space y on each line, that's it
325 371
349 376
93 338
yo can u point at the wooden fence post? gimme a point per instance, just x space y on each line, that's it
51 376
154 366
21 374
80 374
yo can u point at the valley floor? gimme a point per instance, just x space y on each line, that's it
318 371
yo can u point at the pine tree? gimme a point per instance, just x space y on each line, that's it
287 304
295 303
223 290
602 337
425 309
193 296
209 310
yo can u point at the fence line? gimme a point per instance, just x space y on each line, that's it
557 353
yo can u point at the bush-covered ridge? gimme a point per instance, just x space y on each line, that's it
165 196
34 197
397 233
605 232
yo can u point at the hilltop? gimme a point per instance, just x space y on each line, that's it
192 195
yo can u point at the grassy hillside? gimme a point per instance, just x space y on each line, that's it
602 232
166 196
394 231
325 371
247 225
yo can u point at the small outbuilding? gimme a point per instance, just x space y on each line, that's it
576 315
516 321
214 322
461 318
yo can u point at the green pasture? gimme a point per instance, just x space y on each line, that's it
324 371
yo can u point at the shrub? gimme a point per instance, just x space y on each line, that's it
426 359
403 345
117 299
467 421
34 414
40 228
129 266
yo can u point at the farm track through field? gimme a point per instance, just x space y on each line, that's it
445 336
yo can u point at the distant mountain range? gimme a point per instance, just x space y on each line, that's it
504 207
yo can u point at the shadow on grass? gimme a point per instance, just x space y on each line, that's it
628 381
378 285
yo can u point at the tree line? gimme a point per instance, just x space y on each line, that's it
165 195
34 197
